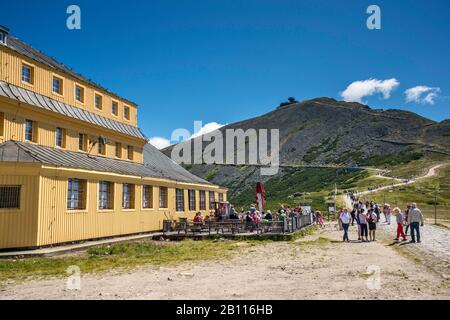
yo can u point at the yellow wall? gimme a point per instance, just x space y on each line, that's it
43 218
18 228
14 129
11 72
59 225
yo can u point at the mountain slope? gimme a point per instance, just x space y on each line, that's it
326 132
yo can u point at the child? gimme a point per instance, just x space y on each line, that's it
319 218
400 219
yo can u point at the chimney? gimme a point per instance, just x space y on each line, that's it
4 31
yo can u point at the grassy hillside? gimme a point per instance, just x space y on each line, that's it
316 185
423 193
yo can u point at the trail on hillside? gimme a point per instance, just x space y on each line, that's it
430 173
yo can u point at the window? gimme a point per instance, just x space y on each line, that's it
118 150
82 142
105 195
126 112
212 199
128 196
30 134
147 197
220 197
98 101
191 198
130 152
60 137
10 197
2 37
101 146
79 93
57 85
163 197
179 200
2 124
115 108
27 74
202 200
76 194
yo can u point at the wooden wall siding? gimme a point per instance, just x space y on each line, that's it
14 128
58 225
11 72
18 228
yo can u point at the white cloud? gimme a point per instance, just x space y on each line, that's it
159 142
422 94
365 88
207 128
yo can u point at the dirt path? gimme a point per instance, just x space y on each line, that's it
430 173
317 267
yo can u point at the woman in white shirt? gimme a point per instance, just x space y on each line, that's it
345 218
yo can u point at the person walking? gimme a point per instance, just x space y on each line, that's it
415 220
400 219
377 211
338 215
353 215
387 212
345 219
372 221
358 225
408 209
363 225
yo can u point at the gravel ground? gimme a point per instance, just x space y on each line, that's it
317 267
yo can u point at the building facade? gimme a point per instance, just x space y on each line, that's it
73 163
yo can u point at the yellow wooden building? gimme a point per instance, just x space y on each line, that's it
73 163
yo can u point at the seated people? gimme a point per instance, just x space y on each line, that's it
198 217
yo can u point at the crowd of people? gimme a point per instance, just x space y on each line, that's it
367 215
253 217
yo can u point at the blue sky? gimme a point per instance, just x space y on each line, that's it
224 61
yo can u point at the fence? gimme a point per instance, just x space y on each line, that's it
289 225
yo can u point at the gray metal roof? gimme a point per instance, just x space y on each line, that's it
25 49
20 94
156 164
155 160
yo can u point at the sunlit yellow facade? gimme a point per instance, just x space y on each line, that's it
42 214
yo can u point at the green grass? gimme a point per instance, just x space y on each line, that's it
421 192
316 182
212 173
122 256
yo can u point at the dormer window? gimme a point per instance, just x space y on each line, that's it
126 112
27 73
79 93
98 101
3 34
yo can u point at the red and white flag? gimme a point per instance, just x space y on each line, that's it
260 196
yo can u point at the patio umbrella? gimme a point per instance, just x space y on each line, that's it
260 196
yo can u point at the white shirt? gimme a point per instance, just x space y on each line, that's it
345 217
